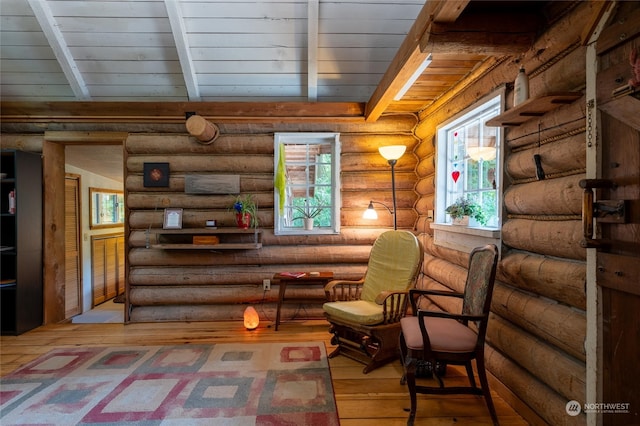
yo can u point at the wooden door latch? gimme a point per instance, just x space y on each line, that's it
605 211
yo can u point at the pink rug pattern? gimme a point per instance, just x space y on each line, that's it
221 384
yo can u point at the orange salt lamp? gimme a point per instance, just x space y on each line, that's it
251 318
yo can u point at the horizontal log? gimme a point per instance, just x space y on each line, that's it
561 196
248 183
566 119
426 185
562 156
351 143
222 203
359 200
547 403
357 162
558 325
567 377
426 166
231 164
552 238
348 236
379 180
267 255
267 313
138 144
229 275
27 142
424 204
216 295
561 280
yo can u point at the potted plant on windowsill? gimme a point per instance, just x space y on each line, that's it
246 211
463 209
308 213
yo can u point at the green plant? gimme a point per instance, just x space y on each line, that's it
246 204
463 207
308 211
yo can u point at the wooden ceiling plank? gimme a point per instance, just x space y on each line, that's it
404 64
52 32
313 12
178 29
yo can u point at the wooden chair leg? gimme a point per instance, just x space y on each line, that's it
482 375
410 376
469 369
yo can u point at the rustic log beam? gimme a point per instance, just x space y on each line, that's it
562 156
174 112
560 196
561 238
496 33
409 57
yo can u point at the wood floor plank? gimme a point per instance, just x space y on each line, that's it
362 399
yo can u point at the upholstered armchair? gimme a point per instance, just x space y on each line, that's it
436 338
365 314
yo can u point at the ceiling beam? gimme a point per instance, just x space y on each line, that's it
409 56
52 32
492 33
312 50
176 21
174 112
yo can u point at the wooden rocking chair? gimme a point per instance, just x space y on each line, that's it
365 314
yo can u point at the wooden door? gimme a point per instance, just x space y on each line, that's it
618 273
98 276
72 247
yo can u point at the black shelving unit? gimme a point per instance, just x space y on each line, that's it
21 290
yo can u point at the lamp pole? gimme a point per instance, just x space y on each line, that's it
392 163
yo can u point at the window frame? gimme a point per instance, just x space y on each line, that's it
461 237
330 138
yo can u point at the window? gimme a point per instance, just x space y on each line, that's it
307 183
107 208
469 163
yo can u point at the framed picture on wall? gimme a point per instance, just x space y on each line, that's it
172 219
156 174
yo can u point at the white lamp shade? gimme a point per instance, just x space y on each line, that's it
485 153
370 213
392 152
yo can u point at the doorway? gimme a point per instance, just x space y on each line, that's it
54 176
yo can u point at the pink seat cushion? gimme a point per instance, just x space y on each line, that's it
446 335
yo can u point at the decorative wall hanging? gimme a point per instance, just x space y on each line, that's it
156 174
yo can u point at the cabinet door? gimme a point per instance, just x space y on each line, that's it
120 284
98 276
111 267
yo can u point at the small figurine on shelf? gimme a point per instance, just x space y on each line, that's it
12 202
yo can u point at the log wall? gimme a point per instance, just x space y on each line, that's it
168 285
538 324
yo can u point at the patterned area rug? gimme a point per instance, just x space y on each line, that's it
221 384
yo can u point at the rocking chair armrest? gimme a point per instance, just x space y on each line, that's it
384 295
342 290
416 293
394 305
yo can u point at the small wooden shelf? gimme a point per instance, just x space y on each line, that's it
175 239
536 107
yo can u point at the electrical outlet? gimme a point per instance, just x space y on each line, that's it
266 284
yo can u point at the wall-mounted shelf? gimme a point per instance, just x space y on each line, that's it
182 239
535 107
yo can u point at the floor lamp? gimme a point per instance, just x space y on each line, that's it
392 153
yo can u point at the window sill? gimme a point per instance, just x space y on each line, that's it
464 238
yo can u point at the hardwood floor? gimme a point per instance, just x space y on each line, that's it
372 399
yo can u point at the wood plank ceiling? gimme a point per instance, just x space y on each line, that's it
145 53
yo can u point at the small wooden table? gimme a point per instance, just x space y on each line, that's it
284 279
